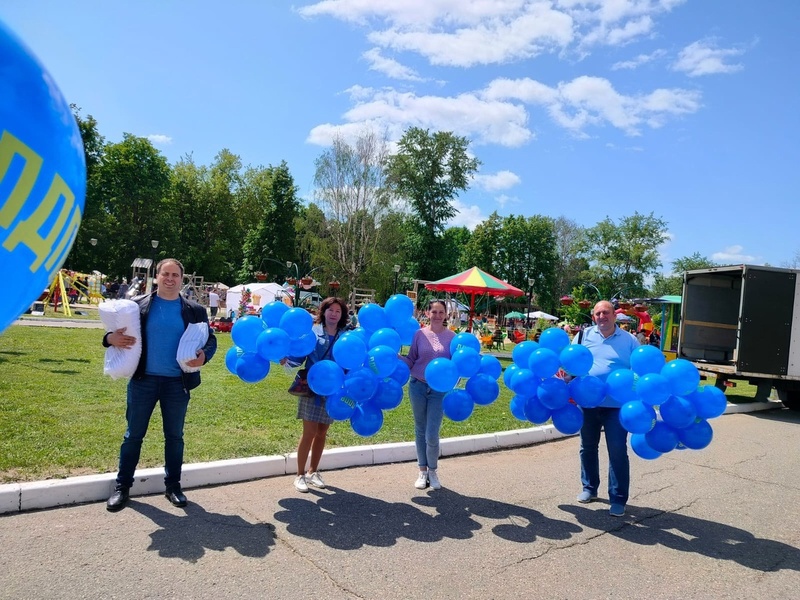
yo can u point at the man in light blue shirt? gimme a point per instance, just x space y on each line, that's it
611 348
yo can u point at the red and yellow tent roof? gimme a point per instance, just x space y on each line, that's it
475 281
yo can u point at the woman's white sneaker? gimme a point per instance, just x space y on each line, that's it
300 483
422 480
434 479
315 480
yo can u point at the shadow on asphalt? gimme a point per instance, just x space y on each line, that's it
347 521
689 534
189 536
779 414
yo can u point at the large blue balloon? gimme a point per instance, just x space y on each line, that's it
325 377
483 389
339 408
457 405
389 394
361 384
641 448
522 353
272 313
646 359
251 368
382 361
349 351
231 356
467 361
304 345
407 329
588 391
42 178
508 374
553 393
576 359
372 317
620 385
386 336
637 417
662 438
367 419
683 376
465 339
517 407
273 344
245 332
568 419
441 374
491 366
696 436
524 382
709 402
401 373
677 412
543 362
398 309
652 389
554 338
296 322
536 412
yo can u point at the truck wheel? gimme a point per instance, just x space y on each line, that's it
790 398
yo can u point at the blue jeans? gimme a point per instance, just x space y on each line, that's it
619 472
426 404
143 394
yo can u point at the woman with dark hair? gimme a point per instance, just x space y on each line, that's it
329 324
432 341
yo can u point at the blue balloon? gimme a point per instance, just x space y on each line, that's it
372 317
683 376
304 345
588 391
543 362
467 361
524 382
245 332
325 377
457 405
231 356
296 322
568 419
696 436
517 407
349 352
483 389
522 353
386 337
401 373
43 180
536 412
382 360
272 313
491 366
441 374
251 368
709 402
677 412
273 344
465 339
652 389
553 393
367 419
637 417
389 394
576 359
641 448
339 408
361 333
398 309
361 384
647 359
662 438
508 374
554 338
620 385
407 329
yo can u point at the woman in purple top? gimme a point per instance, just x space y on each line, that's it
429 342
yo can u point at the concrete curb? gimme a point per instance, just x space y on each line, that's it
20 497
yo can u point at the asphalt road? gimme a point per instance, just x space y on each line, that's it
723 522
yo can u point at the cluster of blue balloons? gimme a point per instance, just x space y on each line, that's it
279 332
663 405
465 362
366 376
539 395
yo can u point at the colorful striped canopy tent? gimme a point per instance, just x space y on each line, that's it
474 282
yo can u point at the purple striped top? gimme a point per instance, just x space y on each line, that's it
426 346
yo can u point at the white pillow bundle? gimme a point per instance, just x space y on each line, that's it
116 314
194 338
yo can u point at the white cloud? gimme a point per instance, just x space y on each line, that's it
733 255
467 216
637 62
502 180
389 67
159 139
704 58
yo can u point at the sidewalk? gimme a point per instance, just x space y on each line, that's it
20 497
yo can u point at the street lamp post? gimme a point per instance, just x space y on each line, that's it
154 244
396 270
531 281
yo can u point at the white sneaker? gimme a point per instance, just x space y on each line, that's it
300 483
422 480
434 479
315 480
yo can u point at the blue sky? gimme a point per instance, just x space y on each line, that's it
579 108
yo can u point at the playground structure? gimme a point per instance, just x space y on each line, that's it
361 296
69 286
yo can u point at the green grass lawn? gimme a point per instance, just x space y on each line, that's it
60 416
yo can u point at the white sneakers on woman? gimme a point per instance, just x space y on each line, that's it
426 478
422 480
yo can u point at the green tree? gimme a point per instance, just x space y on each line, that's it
481 249
569 265
428 171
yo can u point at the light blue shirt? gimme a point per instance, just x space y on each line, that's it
610 354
